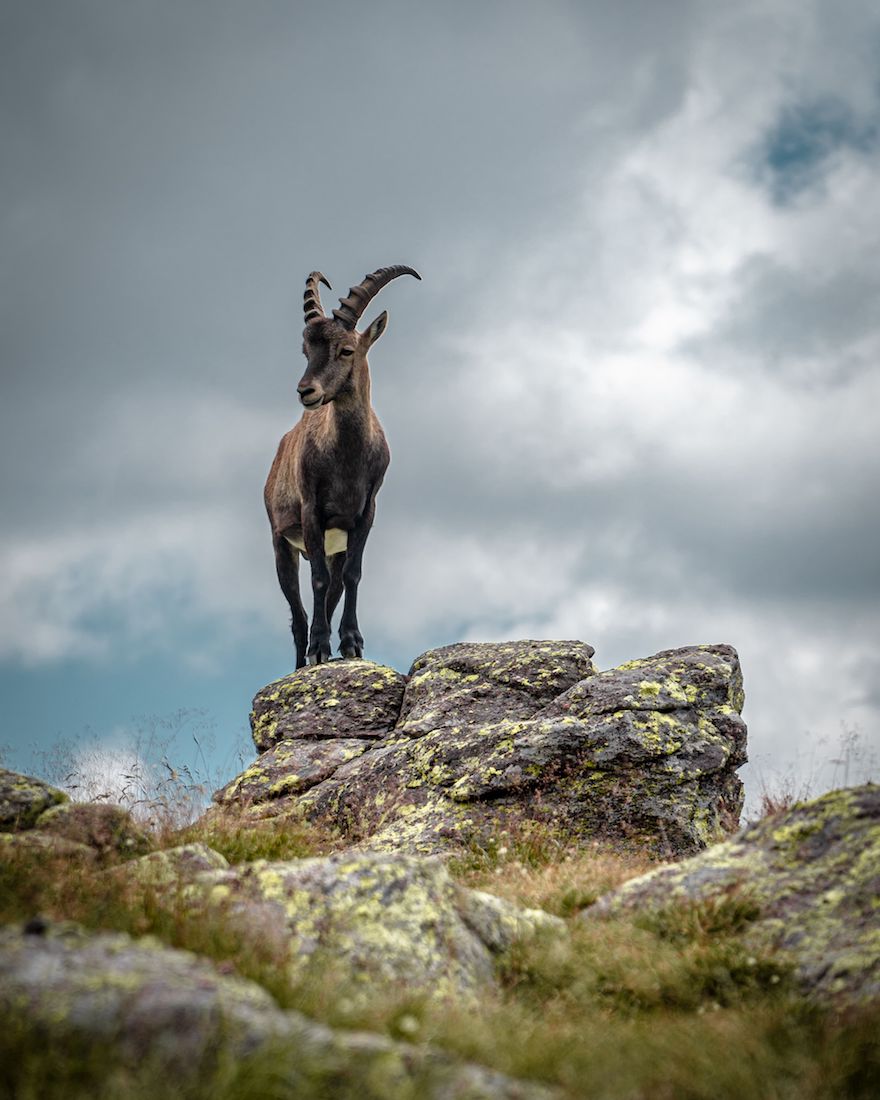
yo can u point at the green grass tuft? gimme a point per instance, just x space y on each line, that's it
243 840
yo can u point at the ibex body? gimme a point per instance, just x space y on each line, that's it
321 491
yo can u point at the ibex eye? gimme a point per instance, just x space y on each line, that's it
346 351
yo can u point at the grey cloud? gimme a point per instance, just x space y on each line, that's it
174 170
781 316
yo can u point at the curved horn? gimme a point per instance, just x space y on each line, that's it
360 296
312 307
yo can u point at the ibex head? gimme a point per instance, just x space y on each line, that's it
335 350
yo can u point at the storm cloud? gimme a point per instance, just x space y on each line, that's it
632 401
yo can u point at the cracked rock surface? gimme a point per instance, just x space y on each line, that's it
372 920
480 736
812 874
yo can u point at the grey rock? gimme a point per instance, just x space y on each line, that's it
474 683
106 828
813 876
289 768
352 698
491 735
172 867
33 843
23 799
387 920
132 1002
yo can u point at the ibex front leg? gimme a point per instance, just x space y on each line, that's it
351 642
287 566
319 636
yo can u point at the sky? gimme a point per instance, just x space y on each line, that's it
634 399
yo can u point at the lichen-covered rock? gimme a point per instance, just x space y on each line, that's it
500 924
490 735
592 762
132 1003
337 699
34 845
705 678
374 920
173 867
139 996
813 875
482 682
289 768
23 799
106 828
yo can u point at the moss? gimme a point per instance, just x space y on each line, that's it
23 798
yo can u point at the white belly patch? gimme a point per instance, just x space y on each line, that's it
335 541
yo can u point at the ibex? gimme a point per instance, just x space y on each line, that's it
321 491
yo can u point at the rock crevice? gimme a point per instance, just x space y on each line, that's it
479 735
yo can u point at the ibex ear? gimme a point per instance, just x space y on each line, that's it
372 334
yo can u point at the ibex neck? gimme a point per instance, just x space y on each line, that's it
354 400
351 412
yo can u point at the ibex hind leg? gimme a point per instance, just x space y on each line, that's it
334 593
287 568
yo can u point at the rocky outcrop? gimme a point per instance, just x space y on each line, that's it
23 799
475 684
490 735
342 699
289 768
133 1003
374 922
812 875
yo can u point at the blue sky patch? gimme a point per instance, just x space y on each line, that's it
796 149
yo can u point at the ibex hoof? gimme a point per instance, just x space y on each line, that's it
351 643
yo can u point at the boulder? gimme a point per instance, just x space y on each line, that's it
166 1013
338 699
171 868
478 683
33 844
812 875
108 829
288 768
23 799
491 735
374 921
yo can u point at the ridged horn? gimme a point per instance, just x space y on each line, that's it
312 307
360 296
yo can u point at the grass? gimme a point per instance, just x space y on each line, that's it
242 840
529 864
673 1006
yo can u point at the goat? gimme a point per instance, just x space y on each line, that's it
321 491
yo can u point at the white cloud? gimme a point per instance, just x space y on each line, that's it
637 403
